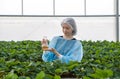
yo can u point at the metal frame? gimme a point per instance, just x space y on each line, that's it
117 20
22 7
58 16
53 7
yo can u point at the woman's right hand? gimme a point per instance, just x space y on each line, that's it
44 41
44 44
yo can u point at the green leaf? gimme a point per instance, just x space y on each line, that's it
11 75
72 66
86 77
58 71
48 76
40 75
27 77
99 73
57 77
23 77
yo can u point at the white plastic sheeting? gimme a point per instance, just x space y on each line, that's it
34 28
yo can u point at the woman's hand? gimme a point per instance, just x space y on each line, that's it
54 51
44 42
51 49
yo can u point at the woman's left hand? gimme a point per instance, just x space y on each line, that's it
54 51
51 49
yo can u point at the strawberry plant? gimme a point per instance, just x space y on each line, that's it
23 60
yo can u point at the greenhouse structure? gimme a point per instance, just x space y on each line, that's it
24 23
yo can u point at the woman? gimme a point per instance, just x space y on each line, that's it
65 48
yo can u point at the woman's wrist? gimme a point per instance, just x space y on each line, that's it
56 53
60 56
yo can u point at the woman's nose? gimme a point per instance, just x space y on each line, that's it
64 30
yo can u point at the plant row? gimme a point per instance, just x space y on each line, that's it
23 60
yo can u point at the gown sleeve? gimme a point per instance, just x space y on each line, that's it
75 54
48 55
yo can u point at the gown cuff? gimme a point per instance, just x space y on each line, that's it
60 56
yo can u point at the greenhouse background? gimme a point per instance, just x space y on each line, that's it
33 19
24 23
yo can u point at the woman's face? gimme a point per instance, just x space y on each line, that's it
67 30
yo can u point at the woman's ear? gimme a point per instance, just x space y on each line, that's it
73 32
